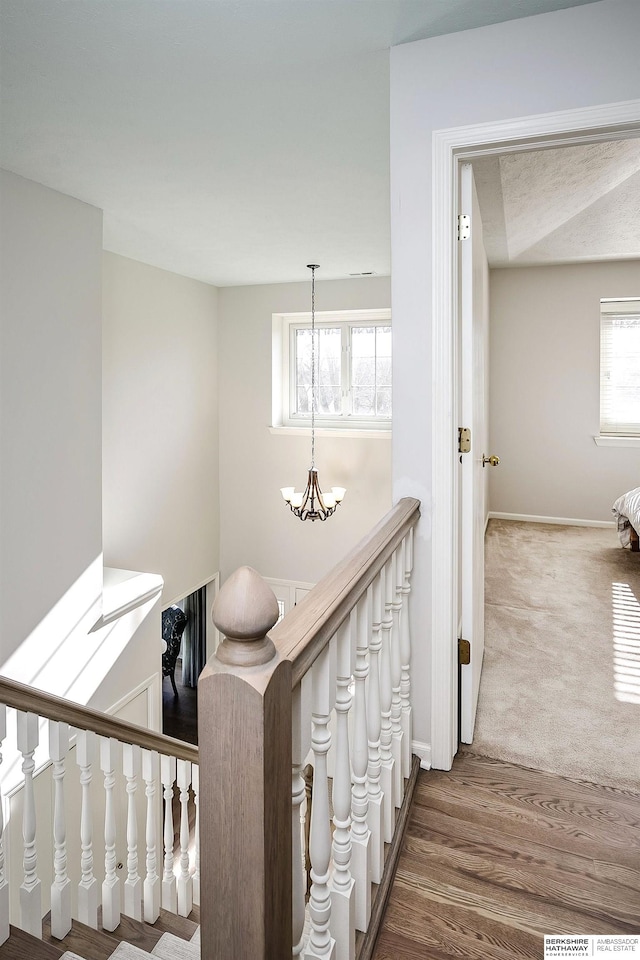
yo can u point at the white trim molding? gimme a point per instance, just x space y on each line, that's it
562 521
371 433
422 750
152 687
602 440
124 591
449 147
214 577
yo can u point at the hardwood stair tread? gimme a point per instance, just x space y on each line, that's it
127 951
82 940
22 946
100 944
183 927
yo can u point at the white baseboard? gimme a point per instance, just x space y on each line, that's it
565 521
423 751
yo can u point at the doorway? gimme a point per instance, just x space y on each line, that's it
450 149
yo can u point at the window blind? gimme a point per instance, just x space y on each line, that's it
620 368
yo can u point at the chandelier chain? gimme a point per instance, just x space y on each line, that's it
313 367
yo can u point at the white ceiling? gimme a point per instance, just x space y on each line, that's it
230 140
566 205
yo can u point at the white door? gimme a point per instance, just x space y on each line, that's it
474 323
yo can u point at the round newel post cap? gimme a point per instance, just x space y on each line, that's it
244 611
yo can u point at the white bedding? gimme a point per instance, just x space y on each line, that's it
626 510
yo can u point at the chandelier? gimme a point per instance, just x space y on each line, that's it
312 504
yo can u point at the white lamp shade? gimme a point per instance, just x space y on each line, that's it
338 493
287 493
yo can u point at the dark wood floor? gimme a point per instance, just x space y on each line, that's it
495 856
179 714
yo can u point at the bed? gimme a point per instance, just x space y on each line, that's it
626 510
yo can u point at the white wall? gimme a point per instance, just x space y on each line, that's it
256 527
545 391
571 58
50 402
160 440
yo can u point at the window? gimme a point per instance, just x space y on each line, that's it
620 367
352 370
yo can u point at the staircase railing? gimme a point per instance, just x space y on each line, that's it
139 761
330 684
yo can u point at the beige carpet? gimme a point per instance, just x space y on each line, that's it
560 687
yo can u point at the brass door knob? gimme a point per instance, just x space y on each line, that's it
493 461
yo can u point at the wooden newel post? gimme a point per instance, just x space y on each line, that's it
244 725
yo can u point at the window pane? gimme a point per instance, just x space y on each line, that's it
363 401
363 341
383 341
328 401
328 371
303 357
328 347
620 374
371 369
303 397
383 368
383 397
363 371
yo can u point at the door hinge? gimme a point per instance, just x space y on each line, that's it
464 440
464 652
464 226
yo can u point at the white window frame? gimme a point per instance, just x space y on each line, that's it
284 326
612 433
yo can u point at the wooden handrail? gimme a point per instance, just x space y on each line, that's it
306 630
32 700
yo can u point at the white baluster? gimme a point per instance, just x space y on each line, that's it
321 945
133 884
360 834
61 886
396 671
185 885
152 885
195 785
169 887
88 886
300 748
109 750
4 885
30 893
343 928
386 756
405 657
376 799
396 706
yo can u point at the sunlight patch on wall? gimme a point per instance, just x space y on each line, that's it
74 613
626 643
73 649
